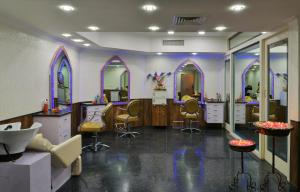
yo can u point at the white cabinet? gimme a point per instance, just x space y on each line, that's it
56 128
214 112
240 113
92 112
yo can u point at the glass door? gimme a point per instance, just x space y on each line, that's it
277 99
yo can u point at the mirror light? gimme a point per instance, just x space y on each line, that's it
220 28
194 53
159 53
153 28
66 8
237 7
149 7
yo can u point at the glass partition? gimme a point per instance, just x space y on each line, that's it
246 91
278 102
115 81
241 37
189 82
227 91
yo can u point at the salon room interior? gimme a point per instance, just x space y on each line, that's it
154 96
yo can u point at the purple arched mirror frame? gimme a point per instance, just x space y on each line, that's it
188 62
60 53
246 70
102 79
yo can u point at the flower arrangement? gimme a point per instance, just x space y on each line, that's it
159 79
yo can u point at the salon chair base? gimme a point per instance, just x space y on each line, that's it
96 145
132 134
192 130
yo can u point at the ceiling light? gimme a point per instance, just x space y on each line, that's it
264 32
93 28
171 32
220 28
153 28
201 32
77 40
66 34
87 44
67 8
194 53
159 53
149 8
237 7
256 54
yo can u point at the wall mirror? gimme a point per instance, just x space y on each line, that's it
188 82
251 83
61 81
115 83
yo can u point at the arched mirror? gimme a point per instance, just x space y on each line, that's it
115 81
188 82
251 83
61 81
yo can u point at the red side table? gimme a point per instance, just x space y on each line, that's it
242 146
273 129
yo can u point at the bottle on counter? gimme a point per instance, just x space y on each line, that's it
45 106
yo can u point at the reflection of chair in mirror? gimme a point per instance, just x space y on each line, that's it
96 128
272 111
131 117
190 112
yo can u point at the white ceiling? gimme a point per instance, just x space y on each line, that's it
127 15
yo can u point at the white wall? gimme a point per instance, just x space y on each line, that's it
140 66
24 75
92 62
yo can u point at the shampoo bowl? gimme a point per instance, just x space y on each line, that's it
13 140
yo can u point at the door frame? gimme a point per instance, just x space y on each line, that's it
281 165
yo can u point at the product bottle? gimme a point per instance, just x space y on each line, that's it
45 106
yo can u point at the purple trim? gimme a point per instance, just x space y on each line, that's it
244 79
102 80
188 61
61 52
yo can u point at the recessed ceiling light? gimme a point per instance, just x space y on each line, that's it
66 34
237 7
220 28
256 54
153 28
159 53
171 32
77 40
93 28
264 32
201 32
194 53
87 44
149 7
67 8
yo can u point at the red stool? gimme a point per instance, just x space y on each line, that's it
242 146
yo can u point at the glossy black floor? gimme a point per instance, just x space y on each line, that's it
165 160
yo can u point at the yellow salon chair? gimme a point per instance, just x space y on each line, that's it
272 112
131 116
190 112
96 128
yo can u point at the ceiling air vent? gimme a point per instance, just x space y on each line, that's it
173 42
184 20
